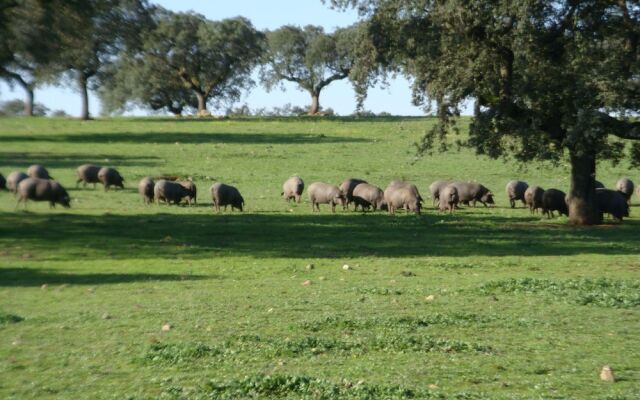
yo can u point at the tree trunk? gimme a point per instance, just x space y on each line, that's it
84 94
315 103
28 104
582 195
202 104
28 88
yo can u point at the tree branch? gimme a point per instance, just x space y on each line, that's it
624 129
337 76
16 77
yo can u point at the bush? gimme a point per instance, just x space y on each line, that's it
16 107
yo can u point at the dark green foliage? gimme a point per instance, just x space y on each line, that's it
601 292
390 341
6 318
408 323
304 387
178 353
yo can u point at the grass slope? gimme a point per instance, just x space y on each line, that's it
488 303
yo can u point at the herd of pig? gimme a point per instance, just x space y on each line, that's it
37 185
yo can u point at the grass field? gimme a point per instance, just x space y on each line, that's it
487 303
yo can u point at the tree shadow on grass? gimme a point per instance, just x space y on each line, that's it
53 161
19 276
187 137
73 236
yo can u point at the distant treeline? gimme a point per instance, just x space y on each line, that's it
134 54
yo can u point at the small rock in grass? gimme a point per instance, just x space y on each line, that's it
346 267
407 273
430 297
433 386
606 374
322 278
44 286
166 327
106 316
91 290
307 282
310 266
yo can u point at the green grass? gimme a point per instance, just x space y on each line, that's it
487 303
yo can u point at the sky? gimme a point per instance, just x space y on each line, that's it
395 98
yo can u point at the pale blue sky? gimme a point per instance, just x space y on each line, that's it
396 98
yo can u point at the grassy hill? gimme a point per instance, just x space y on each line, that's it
487 303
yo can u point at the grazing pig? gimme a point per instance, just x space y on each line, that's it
448 198
192 190
347 187
366 195
224 195
146 189
88 173
38 171
324 193
473 192
3 182
110 177
292 188
625 186
515 191
435 188
554 200
38 189
402 195
14 179
169 192
533 198
612 202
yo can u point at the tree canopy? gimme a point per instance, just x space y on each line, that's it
146 82
549 79
308 57
101 30
212 59
24 56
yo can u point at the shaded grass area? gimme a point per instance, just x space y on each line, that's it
304 236
23 276
190 138
71 161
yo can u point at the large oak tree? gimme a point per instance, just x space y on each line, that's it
212 59
308 57
101 29
551 79
30 42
